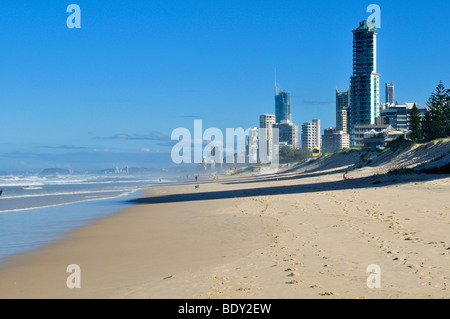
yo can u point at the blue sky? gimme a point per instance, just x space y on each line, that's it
111 92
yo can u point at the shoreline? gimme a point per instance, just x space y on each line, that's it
51 237
69 203
68 217
282 236
17 264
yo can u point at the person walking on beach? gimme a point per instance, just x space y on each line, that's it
1 192
196 177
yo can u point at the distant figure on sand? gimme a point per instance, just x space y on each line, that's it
1 192
196 177
346 176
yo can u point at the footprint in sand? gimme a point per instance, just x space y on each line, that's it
330 293
294 274
414 266
292 282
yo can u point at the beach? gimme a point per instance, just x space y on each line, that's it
193 154
289 235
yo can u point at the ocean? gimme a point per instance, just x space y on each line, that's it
36 210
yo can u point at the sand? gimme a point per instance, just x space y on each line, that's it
291 235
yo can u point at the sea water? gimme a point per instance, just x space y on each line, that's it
37 210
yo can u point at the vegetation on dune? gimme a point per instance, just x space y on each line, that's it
400 142
290 155
436 123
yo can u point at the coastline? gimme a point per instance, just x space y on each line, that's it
283 236
47 265
26 230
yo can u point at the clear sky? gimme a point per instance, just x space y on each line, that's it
111 92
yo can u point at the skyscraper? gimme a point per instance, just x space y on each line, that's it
364 86
342 104
266 122
390 94
282 105
311 135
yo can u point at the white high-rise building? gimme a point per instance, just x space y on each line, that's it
267 121
311 135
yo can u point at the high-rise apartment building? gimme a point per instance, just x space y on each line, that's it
334 140
288 133
390 94
266 122
342 105
364 83
311 135
282 106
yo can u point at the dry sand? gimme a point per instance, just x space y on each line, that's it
286 236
